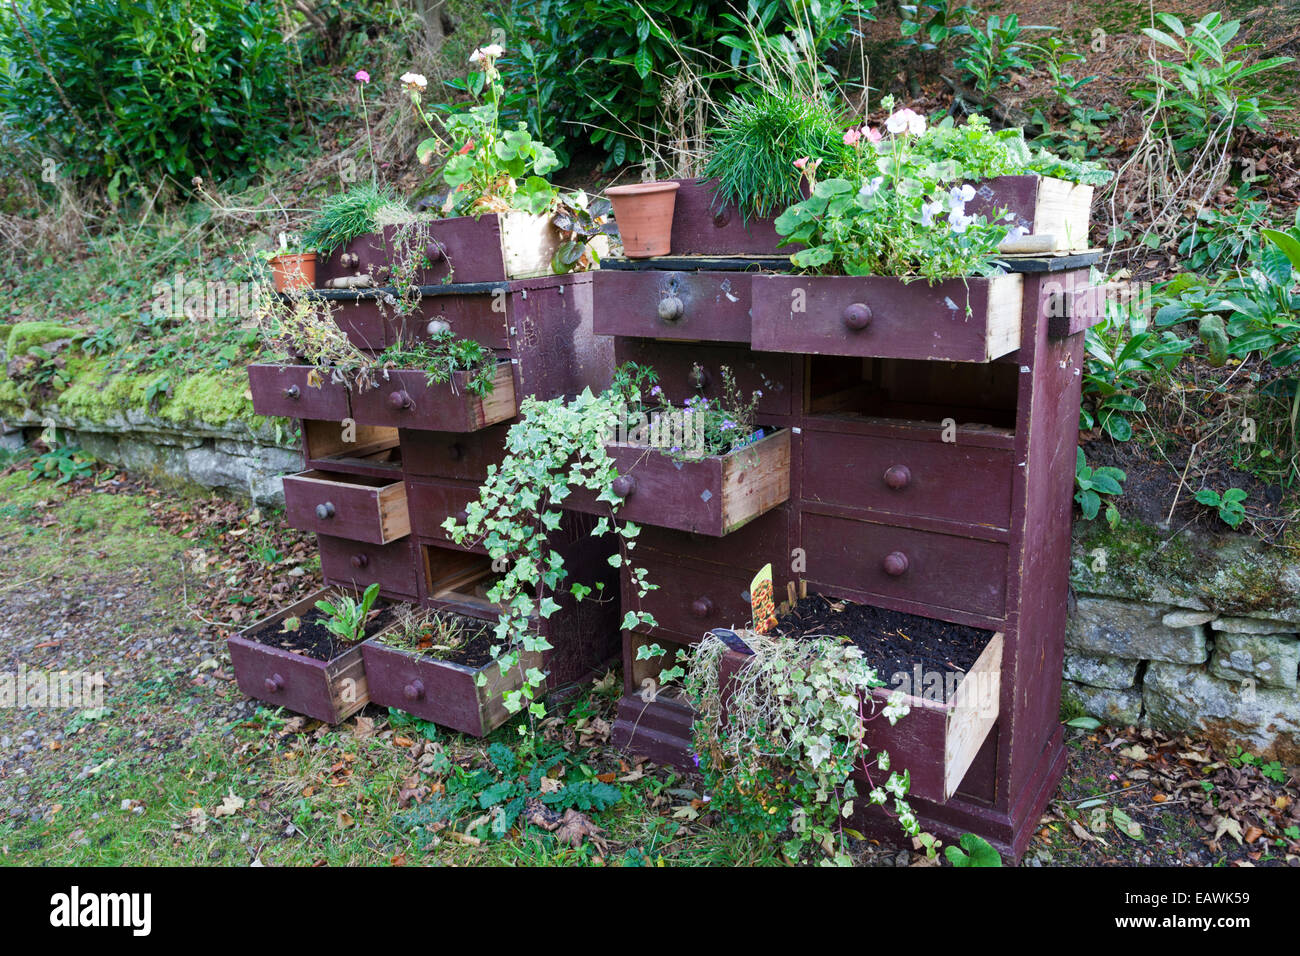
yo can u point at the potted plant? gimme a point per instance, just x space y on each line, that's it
307 657
644 213
292 270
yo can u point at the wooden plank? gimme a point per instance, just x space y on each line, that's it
972 714
347 506
1063 210
754 480
528 244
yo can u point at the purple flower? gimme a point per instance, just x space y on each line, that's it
362 76
695 759
727 425
656 391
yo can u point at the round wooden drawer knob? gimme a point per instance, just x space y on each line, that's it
671 309
455 452
895 563
898 477
434 252
857 316
325 511
274 684
414 690
360 560
437 326
702 607
722 217
624 485
699 378
399 400
292 392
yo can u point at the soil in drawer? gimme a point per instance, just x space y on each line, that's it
408 399
922 568
357 565
347 506
927 476
306 669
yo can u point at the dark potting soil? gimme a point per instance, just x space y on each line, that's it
474 652
892 642
312 638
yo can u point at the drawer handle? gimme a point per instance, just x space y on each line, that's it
434 252
702 607
699 378
898 477
349 259
896 563
325 511
400 400
671 309
437 326
624 486
722 217
414 690
360 560
274 684
857 316
455 452
292 392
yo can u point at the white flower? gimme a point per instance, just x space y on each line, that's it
906 120
415 79
1016 232
929 211
960 196
958 221
870 187
489 52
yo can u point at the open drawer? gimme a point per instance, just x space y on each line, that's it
937 741
408 399
714 495
355 507
300 670
956 320
463 696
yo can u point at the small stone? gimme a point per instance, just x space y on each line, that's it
1187 618
1106 627
1115 673
1116 707
1272 659
1252 625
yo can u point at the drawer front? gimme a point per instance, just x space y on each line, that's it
766 538
464 455
293 681
364 322
879 316
482 318
432 502
937 570
766 372
463 248
344 506
703 228
928 478
703 306
282 390
357 565
408 400
689 602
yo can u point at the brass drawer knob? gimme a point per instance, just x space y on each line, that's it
671 308
896 563
857 316
898 477
325 511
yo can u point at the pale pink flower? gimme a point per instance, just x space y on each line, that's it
906 121
852 136
362 76
872 134
801 162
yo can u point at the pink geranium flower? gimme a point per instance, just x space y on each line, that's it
852 136
872 134
362 76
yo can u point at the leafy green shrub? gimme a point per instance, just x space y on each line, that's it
1222 238
1095 482
929 26
1229 504
599 73
1205 88
118 89
1122 354
994 52
757 138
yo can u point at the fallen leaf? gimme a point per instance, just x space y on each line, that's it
230 805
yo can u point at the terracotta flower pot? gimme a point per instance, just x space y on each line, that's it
294 271
644 213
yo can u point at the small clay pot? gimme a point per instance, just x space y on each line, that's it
644 213
294 271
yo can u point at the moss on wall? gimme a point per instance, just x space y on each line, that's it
24 335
